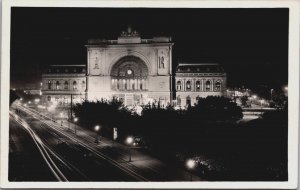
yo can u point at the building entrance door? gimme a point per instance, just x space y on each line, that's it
129 99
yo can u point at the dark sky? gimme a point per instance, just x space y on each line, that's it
251 44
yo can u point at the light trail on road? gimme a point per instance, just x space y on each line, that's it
41 147
90 147
143 168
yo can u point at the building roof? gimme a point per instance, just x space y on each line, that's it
66 69
129 36
199 68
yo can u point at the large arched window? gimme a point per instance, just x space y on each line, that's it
141 84
207 86
178 101
57 85
218 86
131 69
74 85
178 85
66 85
188 100
49 85
198 87
188 85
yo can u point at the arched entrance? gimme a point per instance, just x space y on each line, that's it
130 76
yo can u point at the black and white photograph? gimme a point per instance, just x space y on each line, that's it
150 94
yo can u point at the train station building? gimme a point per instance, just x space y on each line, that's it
134 70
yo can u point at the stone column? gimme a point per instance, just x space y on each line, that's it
128 84
194 85
136 84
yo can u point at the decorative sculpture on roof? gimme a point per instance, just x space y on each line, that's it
129 32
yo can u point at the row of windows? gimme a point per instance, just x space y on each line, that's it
188 100
198 86
64 99
128 84
65 85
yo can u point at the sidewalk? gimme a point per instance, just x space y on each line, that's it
152 168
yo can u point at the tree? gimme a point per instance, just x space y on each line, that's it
244 100
216 108
106 113
12 96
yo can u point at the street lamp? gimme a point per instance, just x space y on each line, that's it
97 128
129 142
75 120
191 164
286 90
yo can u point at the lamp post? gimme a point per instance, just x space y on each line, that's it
97 128
261 104
75 120
272 93
69 120
129 142
190 164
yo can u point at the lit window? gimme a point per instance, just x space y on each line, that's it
218 86
188 85
207 84
66 86
57 85
74 85
198 86
188 100
178 85
49 85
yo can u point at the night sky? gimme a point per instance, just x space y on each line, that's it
251 44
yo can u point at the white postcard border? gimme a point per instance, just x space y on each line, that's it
293 85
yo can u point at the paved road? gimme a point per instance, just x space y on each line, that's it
25 161
75 162
102 162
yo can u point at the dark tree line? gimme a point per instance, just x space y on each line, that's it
13 96
253 151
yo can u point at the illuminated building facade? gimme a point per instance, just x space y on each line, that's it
61 82
198 80
134 70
